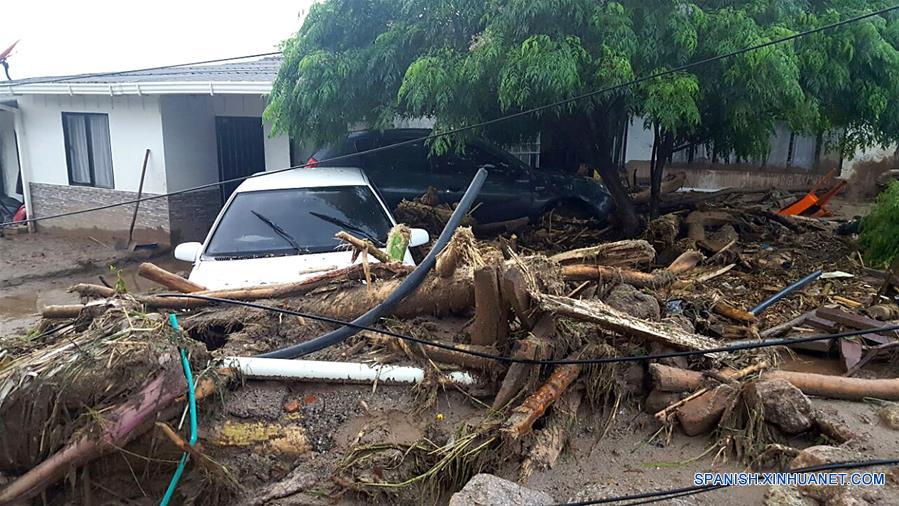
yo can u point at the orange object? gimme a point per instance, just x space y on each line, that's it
811 204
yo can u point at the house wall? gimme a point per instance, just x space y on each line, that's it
9 163
134 126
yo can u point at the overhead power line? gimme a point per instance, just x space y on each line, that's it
459 130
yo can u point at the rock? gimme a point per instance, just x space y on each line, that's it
830 495
489 490
890 416
787 496
783 404
628 299
292 406
701 414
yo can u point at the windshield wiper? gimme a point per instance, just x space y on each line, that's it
341 223
280 231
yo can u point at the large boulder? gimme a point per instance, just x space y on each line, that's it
490 490
783 405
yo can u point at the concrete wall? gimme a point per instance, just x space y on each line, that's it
9 164
639 149
188 132
134 125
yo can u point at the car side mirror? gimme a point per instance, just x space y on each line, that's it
188 251
417 237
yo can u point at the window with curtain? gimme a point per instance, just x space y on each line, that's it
88 151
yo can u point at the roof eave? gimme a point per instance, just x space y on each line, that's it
142 88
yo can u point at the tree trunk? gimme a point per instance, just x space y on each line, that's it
663 146
624 208
597 150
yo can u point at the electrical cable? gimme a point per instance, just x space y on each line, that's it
660 495
62 79
494 121
601 360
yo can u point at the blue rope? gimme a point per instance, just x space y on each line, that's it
192 408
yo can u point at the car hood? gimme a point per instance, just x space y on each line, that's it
226 274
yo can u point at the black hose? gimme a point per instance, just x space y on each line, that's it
406 287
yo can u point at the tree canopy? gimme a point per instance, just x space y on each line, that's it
460 62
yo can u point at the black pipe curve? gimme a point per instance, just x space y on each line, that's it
406 287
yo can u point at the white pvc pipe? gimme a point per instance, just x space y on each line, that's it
278 368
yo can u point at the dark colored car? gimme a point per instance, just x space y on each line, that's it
512 190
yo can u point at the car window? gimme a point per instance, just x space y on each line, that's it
408 157
475 156
270 222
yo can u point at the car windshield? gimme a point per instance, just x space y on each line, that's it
304 220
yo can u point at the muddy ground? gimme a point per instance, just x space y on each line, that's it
37 269
321 423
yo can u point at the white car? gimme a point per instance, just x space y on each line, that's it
280 228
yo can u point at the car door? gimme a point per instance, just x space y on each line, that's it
398 173
506 193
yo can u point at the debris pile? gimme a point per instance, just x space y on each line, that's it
529 332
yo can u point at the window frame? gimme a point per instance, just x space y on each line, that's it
90 149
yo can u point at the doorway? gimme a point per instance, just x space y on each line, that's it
241 149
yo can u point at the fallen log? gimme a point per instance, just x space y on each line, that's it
840 387
734 313
491 317
742 373
121 425
62 311
667 186
584 272
783 328
500 227
355 271
600 313
655 279
167 279
92 291
363 245
523 417
460 250
698 220
535 347
551 439
698 414
612 254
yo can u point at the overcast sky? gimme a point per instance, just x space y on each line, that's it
70 37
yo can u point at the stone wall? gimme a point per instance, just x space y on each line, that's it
49 199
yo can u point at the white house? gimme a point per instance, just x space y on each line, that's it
81 141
